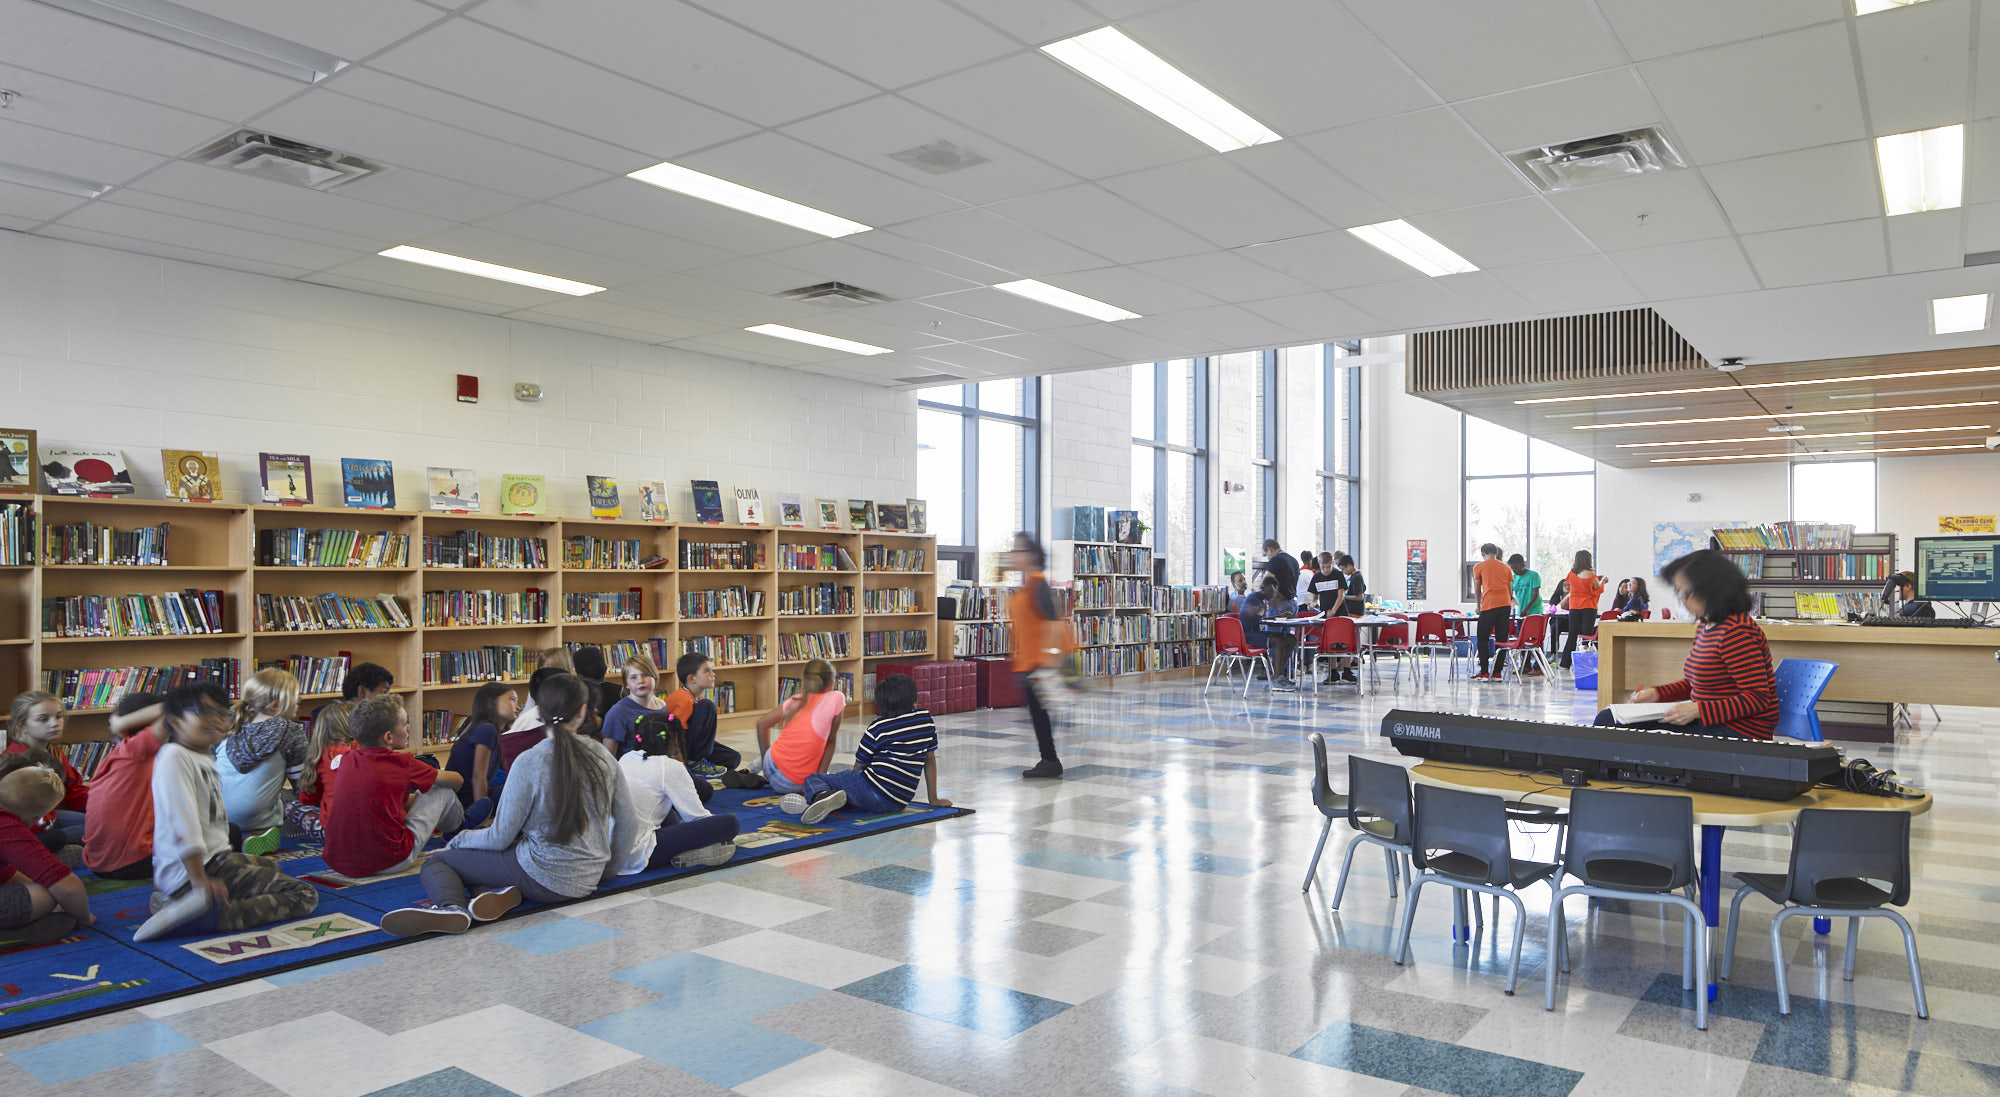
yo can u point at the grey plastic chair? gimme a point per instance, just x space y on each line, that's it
1638 847
1378 808
1835 856
1463 842
1330 804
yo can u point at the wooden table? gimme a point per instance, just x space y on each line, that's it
1884 666
1712 813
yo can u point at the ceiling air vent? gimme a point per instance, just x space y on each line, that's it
283 160
940 157
1981 258
836 295
1574 164
930 379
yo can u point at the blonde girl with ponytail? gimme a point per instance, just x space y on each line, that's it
808 724
266 746
328 741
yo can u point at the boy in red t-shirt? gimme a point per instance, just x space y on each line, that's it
118 828
32 882
385 801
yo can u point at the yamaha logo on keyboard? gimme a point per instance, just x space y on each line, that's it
1420 731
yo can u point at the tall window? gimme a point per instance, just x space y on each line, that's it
976 455
1526 496
1340 476
1246 450
1834 491
1169 462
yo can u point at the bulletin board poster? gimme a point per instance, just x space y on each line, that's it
1416 579
1966 523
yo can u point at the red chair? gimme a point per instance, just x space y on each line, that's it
1338 639
1231 645
1394 642
1665 614
1534 630
1609 615
1432 637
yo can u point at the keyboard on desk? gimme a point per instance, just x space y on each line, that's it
1775 770
1922 622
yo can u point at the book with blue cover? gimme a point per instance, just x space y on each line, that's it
707 501
367 482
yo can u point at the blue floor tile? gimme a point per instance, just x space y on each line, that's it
331 967
449 1082
552 937
1433 1064
1212 863
980 1007
711 987
1076 864
699 1041
883 847
100 1051
914 881
1275 771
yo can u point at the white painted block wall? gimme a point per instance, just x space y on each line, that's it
1090 439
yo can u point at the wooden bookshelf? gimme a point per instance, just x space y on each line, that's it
1779 570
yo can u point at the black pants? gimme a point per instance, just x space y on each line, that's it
1493 623
1582 622
1604 720
700 738
1045 732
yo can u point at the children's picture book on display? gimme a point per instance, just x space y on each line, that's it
287 477
368 482
829 514
17 459
604 497
191 474
749 507
791 510
1125 527
920 518
523 494
652 500
85 472
892 518
454 489
860 514
707 501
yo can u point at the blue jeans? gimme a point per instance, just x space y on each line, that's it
861 796
779 782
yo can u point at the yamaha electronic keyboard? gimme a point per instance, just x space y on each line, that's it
1775 770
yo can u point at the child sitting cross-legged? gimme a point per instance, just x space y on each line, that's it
266 747
195 874
34 726
807 722
328 741
674 825
563 826
32 882
385 801
897 748
118 828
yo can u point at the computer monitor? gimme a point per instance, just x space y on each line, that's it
1959 569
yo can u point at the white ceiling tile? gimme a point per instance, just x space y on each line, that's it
1418 163
790 168
849 35
1982 227
1787 91
80 157
1328 260
840 261
220 215
870 130
487 66
1926 241
1693 268
1643 212
45 39
771 348
1484 293
1134 290
980 235
1982 160
972 356
1091 217
758 349
1525 230
170 251
86 111
1123 342
631 202
17 224
1297 174
844 324
725 305
431 195
1916 66
1217 201
1412 303
936 324
1037 103
33 205
1583 284
1000 307
351 29
1035 22
1318 316
1323 70
486 120
1232 327
924 255
646 325
204 236
1566 110
1652 29
1463 50
588 327
756 275
1225 276
556 225
684 50
540 256
1820 253
1789 189
1986 63
1042 353
249 194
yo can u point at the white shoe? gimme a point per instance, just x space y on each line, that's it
824 806
175 914
717 854
791 803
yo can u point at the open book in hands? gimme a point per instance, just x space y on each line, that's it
1640 713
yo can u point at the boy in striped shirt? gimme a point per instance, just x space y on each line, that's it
897 748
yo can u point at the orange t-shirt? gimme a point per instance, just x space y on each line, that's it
802 741
1496 584
1584 593
680 705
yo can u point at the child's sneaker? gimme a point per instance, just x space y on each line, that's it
173 914
717 854
488 906
426 916
824 805
264 844
791 803
1482 677
707 771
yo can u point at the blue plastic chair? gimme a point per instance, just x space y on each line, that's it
1800 683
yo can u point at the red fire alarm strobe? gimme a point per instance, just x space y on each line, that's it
468 389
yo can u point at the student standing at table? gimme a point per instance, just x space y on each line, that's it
1493 586
1279 565
1354 598
1329 586
1585 588
1727 687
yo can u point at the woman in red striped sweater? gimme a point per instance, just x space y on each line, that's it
1728 688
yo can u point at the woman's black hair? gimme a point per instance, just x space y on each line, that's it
1711 577
1640 592
896 695
590 665
370 676
1582 561
486 708
1026 542
660 733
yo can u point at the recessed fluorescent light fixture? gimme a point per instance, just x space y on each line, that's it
816 339
1922 170
49 180
1130 69
1788 415
736 196
1064 299
1823 453
1769 385
1870 7
494 271
216 37
1956 314
1833 434
1410 244
1628 411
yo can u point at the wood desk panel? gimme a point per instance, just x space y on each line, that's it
1918 666
1710 809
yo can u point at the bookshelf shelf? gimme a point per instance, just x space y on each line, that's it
340 569
15 643
194 637
618 624
262 635
487 628
140 567
620 571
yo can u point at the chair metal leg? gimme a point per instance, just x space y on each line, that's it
1729 942
1402 947
1910 951
1324 830
1520 929
1557 938
1340 887
1778 959
1395 869
1853 939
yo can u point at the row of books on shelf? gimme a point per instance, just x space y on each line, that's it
321 612
188 612
1832 607
722 555
86 754
1751 564
1111 560
90 543
970 638
1786 535
1209 600
821 599
440 726
455 608
844 682
1107 661
1129 629
491 663
17 534
316 673
616 652
1088 523
1182 654
814 558
793 646
731 650
1842 567
331 548
981 603
884 558
1183 626
472 549
103 687
891 600
1103 593
724 602
604 605
913 641
604 553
